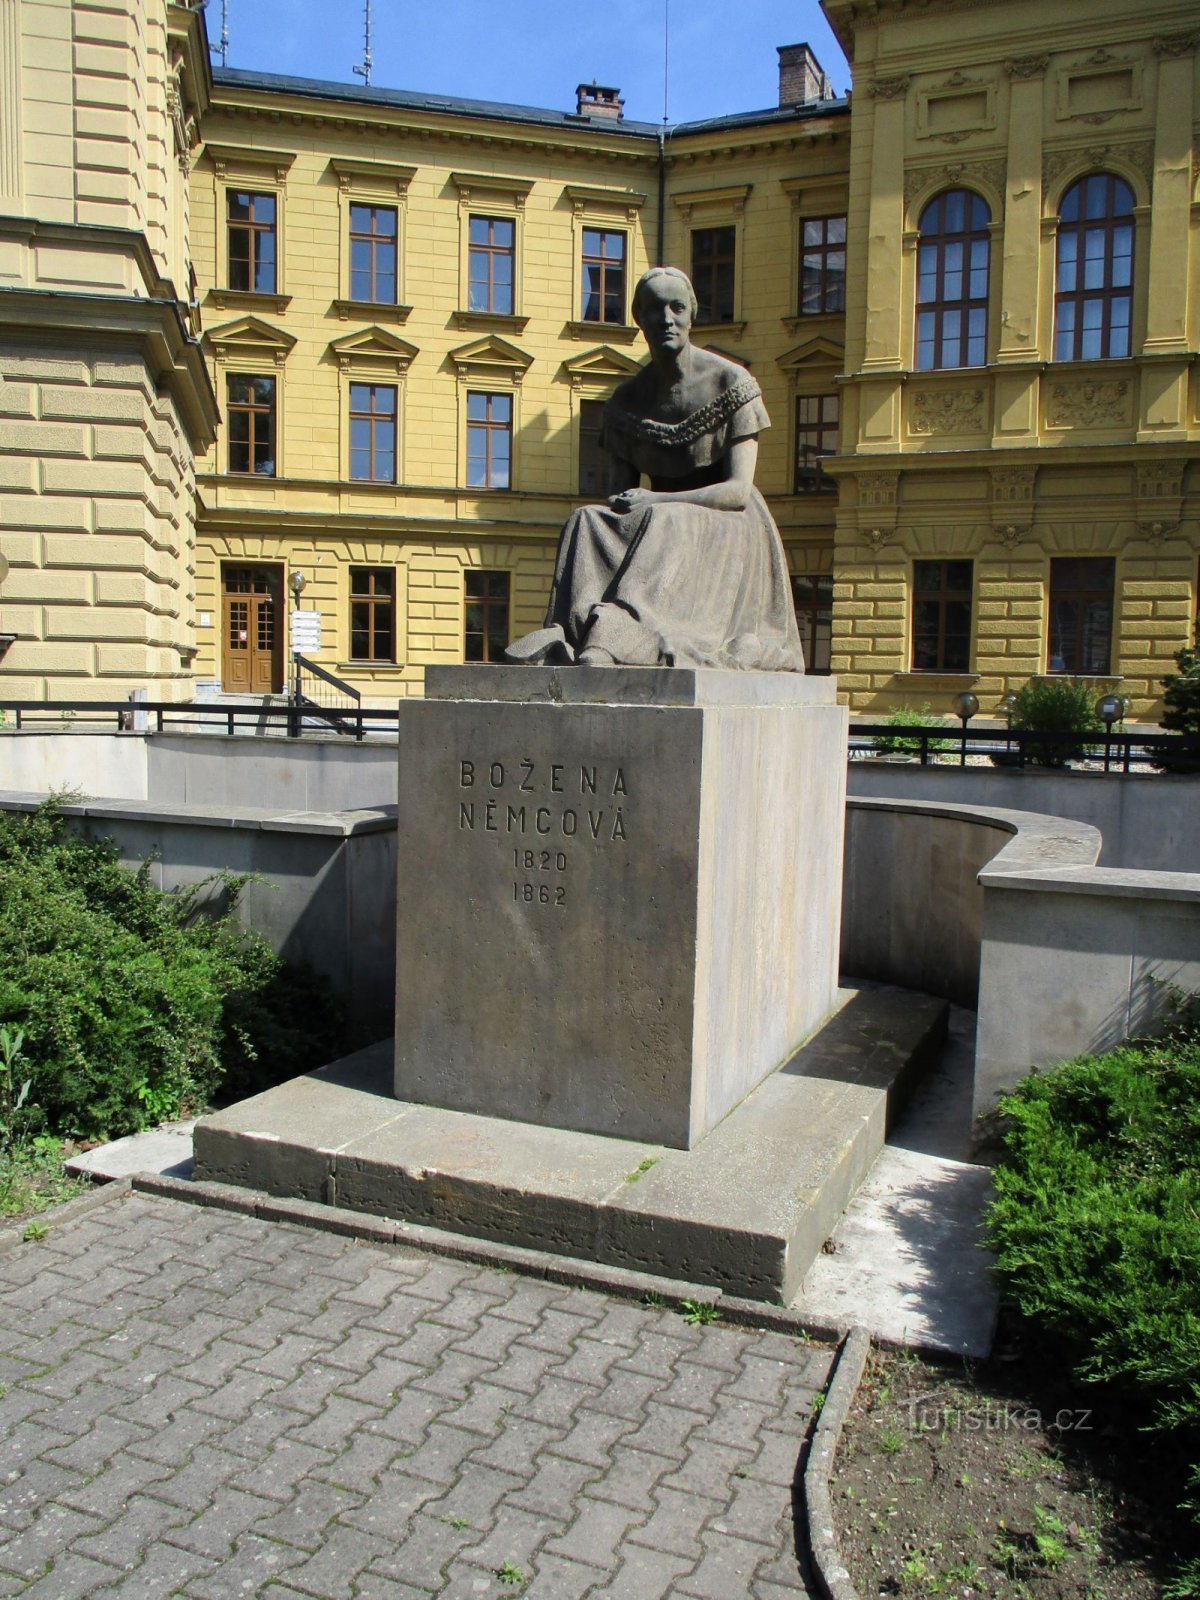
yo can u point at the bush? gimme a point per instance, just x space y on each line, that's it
1096 1224
137 1005
887 744
1181 698
1055 705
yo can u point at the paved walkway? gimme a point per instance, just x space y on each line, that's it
198 1403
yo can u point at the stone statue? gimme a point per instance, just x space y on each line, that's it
691 571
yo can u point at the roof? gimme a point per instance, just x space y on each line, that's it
495 110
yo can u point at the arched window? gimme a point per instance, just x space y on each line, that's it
1093 288
952 281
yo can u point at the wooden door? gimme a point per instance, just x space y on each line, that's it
252 630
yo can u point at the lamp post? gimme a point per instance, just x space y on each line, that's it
1112 708
1005 707
965 706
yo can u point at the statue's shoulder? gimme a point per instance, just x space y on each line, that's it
724 376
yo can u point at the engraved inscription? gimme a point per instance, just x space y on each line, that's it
579 801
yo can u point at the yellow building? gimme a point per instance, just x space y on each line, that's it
414 310
104 396
1019 478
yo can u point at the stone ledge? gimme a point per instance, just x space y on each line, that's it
628 686
745 1211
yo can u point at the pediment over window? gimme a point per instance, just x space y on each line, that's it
600 365
491 357
373 347
250 335
815 352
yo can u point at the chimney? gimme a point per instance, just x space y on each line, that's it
604 105
801 80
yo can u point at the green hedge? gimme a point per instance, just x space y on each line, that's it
1096 1225
138 1005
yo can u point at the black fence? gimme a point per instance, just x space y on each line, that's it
1115 749
158 716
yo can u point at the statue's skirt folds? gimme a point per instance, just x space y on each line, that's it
671 585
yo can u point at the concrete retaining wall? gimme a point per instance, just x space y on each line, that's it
1147 820
92 763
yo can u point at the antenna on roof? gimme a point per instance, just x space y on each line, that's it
364 69
666 54
223 42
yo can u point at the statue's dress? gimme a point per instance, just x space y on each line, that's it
674 584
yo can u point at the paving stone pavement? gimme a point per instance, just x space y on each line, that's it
198 1403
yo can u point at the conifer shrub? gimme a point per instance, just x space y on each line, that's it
1055 705
1096 1225
137 1005
1181 713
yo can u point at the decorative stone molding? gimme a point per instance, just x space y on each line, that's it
876 489
891 88
586 199
947 411
1173 45
1157 532
482 187
1021 67
990 172
1160 480
1010 534
878 537
1013 486
730 199
1088 403
1139 155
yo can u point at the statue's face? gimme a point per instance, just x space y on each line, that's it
663 313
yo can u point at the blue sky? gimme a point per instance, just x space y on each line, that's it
534 52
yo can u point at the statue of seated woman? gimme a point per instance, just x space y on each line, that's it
690 571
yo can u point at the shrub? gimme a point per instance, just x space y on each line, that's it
1055 705
887 744
1096 1224
137 1005
1181 699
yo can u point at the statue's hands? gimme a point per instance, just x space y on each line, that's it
632 499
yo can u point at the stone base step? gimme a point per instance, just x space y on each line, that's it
747 1210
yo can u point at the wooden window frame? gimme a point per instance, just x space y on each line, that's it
811 479
490 603
490 252
254 232
1064 588
373 420
941 598
607 269
813 609
711 268
1109 296
373 241
821 252
252 411
490 428
587 433
366 592
942 305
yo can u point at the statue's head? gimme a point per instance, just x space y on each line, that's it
672 278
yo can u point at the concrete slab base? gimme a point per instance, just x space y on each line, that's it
166 1149
746 1210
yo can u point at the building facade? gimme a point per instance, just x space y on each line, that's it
288 365
1019 474
105 400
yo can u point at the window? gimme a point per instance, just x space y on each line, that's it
816 437
373 432
486 635
251 408
490 265
593 464
489 442
372 614
603 276
1081 612
251 222
822 265
942 616
1093 288
713 253
952 281
373 254
813 600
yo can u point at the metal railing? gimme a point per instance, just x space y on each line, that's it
1116 749
161 716
314 694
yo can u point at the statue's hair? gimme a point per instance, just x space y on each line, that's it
666 272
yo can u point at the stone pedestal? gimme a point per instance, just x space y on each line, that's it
618 893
